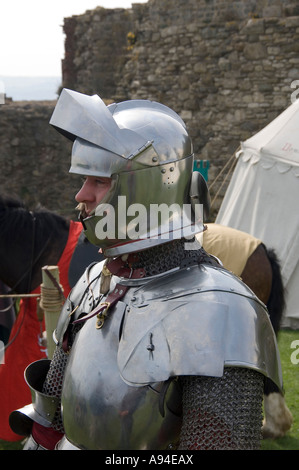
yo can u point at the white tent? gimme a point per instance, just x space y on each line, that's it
263 198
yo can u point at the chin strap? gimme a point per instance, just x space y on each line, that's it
123 267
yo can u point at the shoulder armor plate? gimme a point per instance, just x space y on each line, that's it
195 321
68 311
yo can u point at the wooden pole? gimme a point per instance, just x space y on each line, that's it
52 300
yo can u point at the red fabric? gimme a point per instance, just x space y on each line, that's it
46 437
14 392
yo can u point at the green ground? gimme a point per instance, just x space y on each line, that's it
291 384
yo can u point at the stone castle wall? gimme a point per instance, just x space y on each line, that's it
226 67
34 159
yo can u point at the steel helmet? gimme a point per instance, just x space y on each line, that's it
145 148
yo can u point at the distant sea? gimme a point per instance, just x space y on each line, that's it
30 88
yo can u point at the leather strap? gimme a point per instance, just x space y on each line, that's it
122 268
102 309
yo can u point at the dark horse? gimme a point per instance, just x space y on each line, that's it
275 300
7 313
30 240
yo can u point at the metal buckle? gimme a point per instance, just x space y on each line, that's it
101 315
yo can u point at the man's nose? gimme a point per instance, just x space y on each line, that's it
85 193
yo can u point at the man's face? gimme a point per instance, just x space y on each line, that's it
92 192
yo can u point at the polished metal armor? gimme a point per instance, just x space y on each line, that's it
121 387
146 150
145 340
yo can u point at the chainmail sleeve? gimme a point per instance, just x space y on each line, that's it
222 413
54 379
53 383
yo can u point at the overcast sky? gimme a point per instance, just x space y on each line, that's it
31 36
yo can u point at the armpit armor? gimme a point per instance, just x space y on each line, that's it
124 383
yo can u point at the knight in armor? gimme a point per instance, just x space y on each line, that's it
158 346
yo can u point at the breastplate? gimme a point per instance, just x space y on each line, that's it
200 319
101 411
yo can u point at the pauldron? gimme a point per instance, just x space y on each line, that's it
191 321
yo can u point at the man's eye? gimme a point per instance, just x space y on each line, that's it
100 181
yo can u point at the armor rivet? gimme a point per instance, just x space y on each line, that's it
163 170
154 159
171 168
121 291
133 298
150 347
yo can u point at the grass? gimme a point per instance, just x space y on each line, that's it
291 384
290 372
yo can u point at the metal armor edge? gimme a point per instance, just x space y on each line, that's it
196 321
